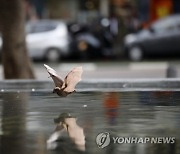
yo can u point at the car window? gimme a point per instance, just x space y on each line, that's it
164 25
178 24
38 28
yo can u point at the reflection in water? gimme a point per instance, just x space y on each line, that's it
13 123
26 121
111 104
67 132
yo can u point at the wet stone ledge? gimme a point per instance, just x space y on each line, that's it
95 85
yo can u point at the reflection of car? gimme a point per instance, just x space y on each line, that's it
47 39
161 38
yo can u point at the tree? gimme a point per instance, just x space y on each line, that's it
17 64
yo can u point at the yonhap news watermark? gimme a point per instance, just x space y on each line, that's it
104 139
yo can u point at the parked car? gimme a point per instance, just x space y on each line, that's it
161 38
47 39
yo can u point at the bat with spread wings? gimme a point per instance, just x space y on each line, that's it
63 88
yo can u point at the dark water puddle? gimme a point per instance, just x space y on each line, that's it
26 120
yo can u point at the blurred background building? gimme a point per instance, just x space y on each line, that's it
105 22
125 15
83 10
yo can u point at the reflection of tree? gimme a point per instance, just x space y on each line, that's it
13 123
14 56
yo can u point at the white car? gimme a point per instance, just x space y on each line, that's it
47 39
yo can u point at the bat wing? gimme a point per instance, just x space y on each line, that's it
57 80
72 79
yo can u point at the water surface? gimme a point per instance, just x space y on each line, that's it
26 120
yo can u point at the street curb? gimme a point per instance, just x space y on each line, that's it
96 85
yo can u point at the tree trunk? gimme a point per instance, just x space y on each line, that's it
17 64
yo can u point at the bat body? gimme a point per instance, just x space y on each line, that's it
63 88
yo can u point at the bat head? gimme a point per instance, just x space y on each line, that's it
62 117
60 92
56 90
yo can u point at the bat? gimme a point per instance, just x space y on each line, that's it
63 88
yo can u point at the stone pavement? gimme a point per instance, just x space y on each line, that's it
107 70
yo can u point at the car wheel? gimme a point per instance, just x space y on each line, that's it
135 53
53 55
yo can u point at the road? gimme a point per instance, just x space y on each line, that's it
107 70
